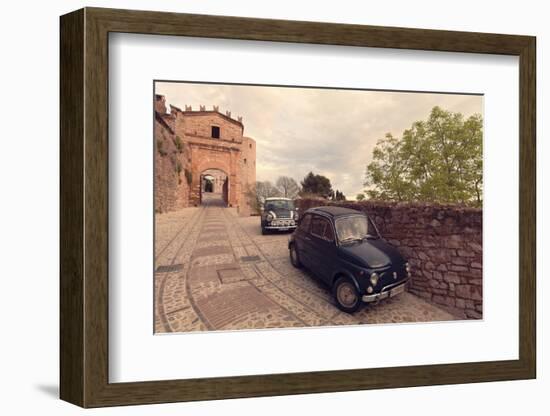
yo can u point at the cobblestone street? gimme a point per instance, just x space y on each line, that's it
215 271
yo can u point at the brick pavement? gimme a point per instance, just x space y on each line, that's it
215 271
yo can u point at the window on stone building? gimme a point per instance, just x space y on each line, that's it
245 161
215 132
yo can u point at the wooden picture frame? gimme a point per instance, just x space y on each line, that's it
84 207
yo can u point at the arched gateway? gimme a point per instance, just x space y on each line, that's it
214 155
214 188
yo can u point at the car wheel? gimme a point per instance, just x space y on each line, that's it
295 257
346 295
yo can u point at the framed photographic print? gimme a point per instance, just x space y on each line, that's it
255 207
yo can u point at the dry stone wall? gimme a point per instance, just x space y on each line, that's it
443 244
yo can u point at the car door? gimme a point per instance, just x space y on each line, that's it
322 248
302 239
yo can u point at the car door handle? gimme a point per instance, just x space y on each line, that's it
307 238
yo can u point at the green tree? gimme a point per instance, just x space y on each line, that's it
437 160
360 197
338 196
317 185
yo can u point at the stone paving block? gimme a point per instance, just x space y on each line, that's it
403 308
312 301
228 305
212 260
205 289
203 244
217 290
305 315
277 318
268 272
211 229
174 294
212 236
212 250
239 252
275 250
186 321
204 274
231 275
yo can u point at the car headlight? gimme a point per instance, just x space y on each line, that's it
295 216
374 278
407 267
269 217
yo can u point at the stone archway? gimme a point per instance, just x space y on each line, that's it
216 167
214 187
209 182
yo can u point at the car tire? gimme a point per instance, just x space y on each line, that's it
346 295
264 231
294 256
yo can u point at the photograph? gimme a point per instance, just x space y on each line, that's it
282 206
243 194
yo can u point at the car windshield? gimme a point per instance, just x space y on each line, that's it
355 228
279 204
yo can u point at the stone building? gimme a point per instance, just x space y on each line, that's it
209 156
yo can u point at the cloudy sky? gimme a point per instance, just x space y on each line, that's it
327 131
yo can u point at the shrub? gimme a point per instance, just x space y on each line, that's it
179 144
160 148
188 176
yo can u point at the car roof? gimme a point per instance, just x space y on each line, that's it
334 211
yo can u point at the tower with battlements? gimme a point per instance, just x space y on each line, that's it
212 156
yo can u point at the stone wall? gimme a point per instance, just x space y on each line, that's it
443 244
248 177
199 124
171 162
248 158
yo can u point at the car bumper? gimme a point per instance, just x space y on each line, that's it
281 224
281 227
386 292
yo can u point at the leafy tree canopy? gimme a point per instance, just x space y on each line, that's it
317 185
437 160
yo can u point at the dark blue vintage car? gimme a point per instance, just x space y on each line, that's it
342 247
278 214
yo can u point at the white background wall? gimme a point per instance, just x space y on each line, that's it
29 158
